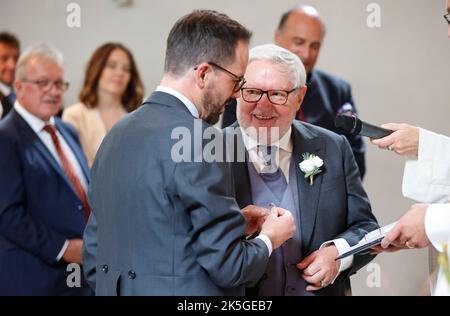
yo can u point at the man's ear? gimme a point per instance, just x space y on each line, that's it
17 85
201 73
277 37
301 95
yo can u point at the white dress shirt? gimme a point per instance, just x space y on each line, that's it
37 126
190 106
283 160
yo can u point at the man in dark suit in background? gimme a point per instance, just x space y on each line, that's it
331 209
301 30
43 181
9 54
165 224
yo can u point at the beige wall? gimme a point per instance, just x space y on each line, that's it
399 72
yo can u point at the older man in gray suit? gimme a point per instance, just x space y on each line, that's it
297 166
169 227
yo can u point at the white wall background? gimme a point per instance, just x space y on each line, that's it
399 72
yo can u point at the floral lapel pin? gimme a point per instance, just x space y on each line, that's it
310 166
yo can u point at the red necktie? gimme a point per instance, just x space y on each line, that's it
68 170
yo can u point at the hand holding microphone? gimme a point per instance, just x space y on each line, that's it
404 140
354 126
400 138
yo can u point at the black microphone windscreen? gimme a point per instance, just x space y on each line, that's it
348 124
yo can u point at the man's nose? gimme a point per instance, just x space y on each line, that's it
304 54
11 63
264 102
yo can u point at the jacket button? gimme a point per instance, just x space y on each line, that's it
105 268
132 274
80 207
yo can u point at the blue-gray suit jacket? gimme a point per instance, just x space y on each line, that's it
39 211
161 227
336 206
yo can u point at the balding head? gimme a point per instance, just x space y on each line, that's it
302 30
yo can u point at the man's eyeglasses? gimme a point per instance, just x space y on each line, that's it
239 80
253 95
447 18
45 85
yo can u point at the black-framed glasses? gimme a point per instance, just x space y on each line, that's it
253 95
447 18
45 85
239 80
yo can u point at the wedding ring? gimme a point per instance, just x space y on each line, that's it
390 148
323 284
410 246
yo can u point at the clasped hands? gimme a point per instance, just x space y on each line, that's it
319 269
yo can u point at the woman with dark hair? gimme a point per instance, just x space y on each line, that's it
112 88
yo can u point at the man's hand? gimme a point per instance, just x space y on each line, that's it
378 249
255 217
404 140
320 268
409 232
73 253
279 226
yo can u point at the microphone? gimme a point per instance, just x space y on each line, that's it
354 126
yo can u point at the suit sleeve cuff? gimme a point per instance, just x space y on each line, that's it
437 224
341 246
267 241
63 250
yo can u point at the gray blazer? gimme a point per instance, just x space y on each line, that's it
160 227
336 206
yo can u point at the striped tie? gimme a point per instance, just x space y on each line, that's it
68 170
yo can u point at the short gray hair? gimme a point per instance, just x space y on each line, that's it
282 57
39 50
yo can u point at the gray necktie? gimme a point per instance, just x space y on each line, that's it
271 174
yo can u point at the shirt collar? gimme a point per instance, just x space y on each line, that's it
35 123
284 143
4 89
190 106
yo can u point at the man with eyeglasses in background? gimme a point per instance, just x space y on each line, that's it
426 179
332 211
43 182
9 54
301 30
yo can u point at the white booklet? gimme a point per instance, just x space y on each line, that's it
369 241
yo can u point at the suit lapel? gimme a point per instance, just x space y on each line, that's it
305 142
241 177
34 141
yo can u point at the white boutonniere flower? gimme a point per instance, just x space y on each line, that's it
310 166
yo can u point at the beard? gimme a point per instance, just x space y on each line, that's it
213 107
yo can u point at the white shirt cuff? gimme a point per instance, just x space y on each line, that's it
341 246
267 242
63 250
437 224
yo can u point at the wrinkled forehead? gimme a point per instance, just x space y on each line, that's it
268 70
